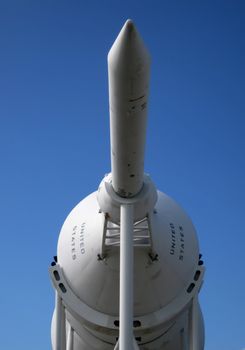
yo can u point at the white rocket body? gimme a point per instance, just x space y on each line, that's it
146 294
129 71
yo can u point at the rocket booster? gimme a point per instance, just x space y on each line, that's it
128 70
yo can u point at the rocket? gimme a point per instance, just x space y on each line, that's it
128 269
129 72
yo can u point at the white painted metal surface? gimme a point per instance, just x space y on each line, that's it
108 286
59 324
70 343
110 202
160 287
128 68
96 281
126 337
196 332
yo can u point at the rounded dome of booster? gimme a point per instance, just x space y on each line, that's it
156 283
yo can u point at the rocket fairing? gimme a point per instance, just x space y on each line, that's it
129 70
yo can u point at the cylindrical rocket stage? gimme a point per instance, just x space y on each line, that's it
128 69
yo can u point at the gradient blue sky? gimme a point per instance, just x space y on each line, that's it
54 142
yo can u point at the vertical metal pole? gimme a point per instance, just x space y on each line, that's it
70 339
59 324
126 337
58 328
194 339
183 339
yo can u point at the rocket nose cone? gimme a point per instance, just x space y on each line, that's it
127 30
128 46
128 26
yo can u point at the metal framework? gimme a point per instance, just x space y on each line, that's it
142 236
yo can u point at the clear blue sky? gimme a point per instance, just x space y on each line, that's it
54 142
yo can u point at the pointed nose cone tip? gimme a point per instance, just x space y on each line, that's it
127 44
129 26
127 29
